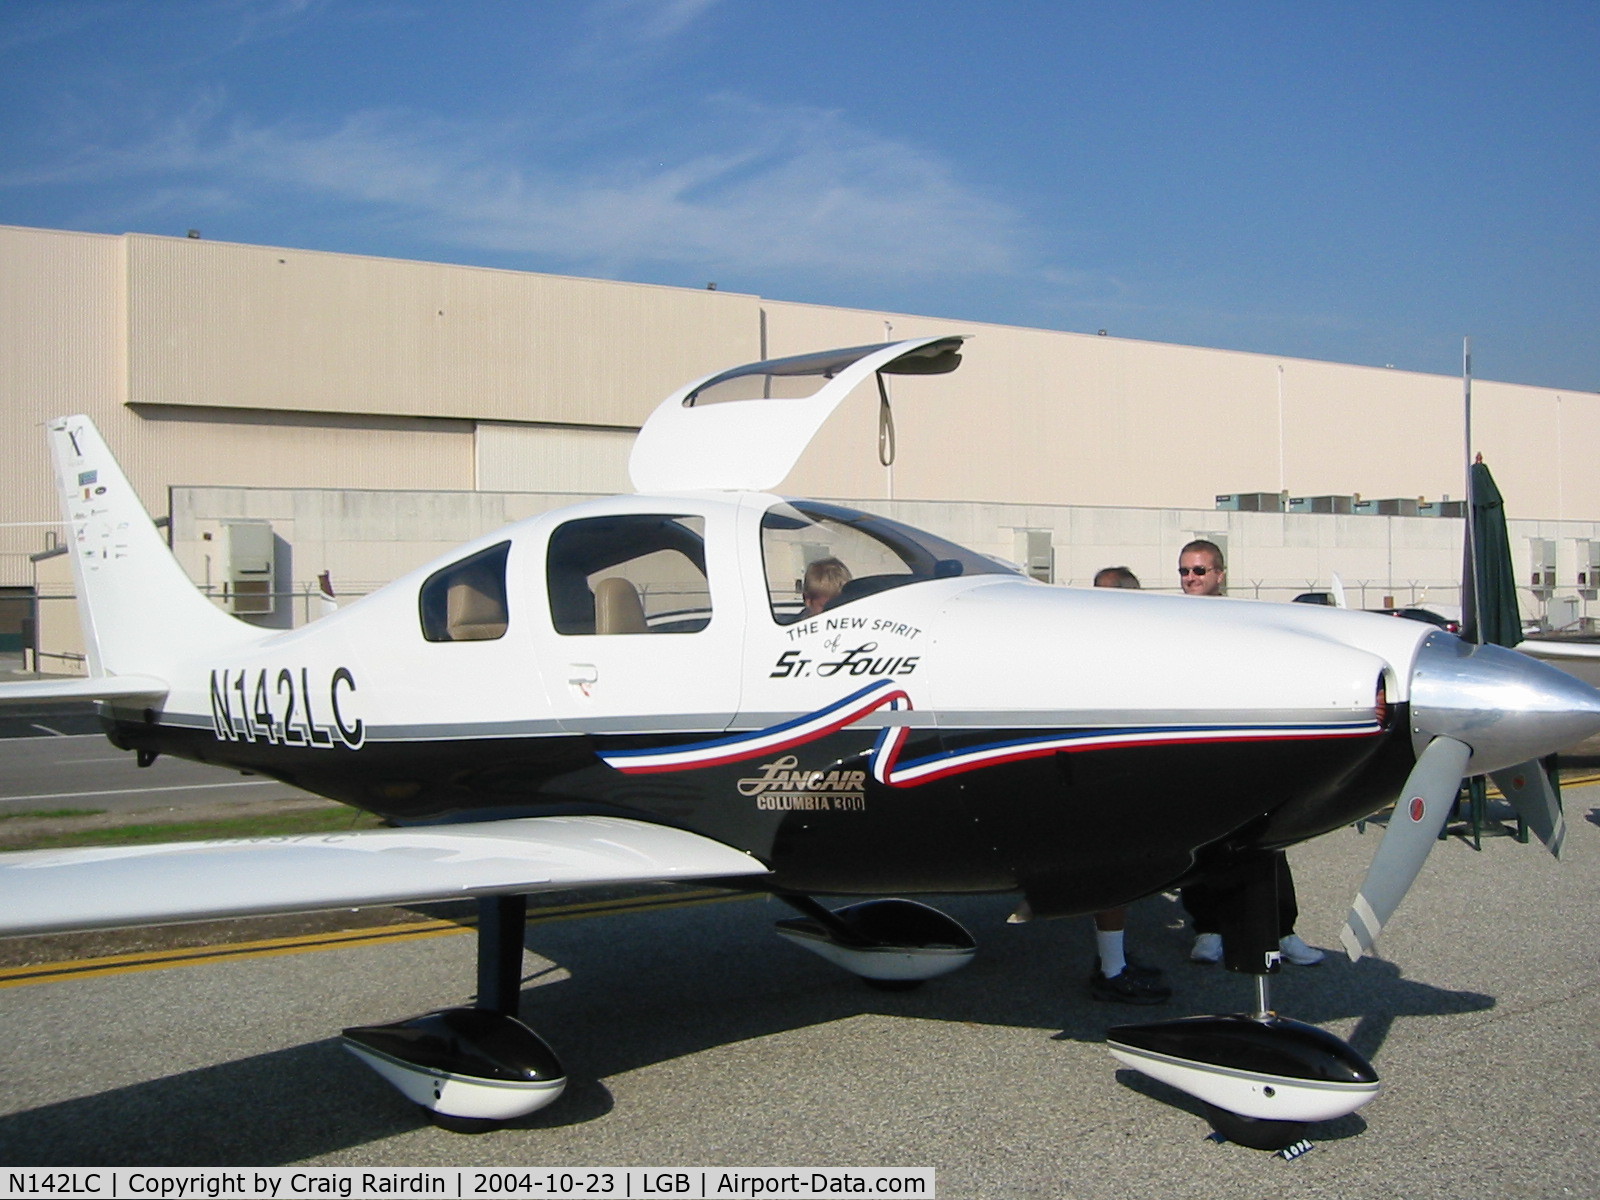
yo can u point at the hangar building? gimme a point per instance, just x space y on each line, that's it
294 412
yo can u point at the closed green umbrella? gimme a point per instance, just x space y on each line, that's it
1489 614
1489 582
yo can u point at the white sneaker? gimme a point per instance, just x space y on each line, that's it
1298 952
1207 948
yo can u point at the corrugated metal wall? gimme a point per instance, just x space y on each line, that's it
1035 416
254 327
551 459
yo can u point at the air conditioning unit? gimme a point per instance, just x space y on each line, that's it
250 586
1251 502
1320 504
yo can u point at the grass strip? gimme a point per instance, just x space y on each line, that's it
280 824
51 813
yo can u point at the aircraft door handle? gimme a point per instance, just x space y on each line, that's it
583 676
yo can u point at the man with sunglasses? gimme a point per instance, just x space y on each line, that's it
1201 572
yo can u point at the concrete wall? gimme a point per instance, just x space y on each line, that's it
368 538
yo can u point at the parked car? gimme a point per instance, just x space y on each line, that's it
1423 614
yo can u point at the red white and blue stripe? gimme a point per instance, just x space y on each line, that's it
739 747
884 759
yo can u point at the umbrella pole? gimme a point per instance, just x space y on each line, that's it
1473 579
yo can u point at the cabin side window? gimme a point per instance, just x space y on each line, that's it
634 573
466 601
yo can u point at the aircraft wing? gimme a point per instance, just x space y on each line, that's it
90 687
1579 659
52 891
1557 651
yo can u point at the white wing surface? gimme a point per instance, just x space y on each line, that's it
53 891
1557 652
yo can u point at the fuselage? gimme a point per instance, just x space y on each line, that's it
943 725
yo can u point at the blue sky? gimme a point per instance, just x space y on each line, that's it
1359 182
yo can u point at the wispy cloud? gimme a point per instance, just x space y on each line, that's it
651 20
621 33
257 20
761 189
47 22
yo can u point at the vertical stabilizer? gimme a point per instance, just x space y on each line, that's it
139 610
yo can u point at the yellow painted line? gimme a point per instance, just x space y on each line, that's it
1566 782
153 960
188 956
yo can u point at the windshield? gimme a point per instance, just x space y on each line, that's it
823 556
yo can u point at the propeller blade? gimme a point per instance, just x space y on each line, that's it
1528 789
1338 592
1418 817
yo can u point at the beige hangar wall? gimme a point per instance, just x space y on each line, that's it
213 365
1036 416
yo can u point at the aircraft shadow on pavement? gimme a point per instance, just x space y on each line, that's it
268 1109
1322 1131
640 989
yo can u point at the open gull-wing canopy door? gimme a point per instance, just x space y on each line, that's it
746 428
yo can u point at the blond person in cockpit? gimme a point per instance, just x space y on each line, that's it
824 579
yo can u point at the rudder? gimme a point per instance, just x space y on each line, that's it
134 600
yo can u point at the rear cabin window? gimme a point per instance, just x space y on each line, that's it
466 601
635 573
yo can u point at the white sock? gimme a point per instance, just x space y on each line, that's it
1112 959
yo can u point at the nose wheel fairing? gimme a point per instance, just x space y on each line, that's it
1262 1077
1268 1068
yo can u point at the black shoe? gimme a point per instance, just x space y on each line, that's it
1137 970
1143 971
1128 988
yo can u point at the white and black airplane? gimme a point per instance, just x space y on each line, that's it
633 689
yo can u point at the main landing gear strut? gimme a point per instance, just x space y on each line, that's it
471 1069
1262 1078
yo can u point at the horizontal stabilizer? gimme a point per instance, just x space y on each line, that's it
52 891
92 687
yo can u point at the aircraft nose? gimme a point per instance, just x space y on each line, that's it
1507 707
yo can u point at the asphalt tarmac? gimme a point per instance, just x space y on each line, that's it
694 1037
53 757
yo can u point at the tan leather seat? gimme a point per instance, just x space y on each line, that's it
472 615
617 608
